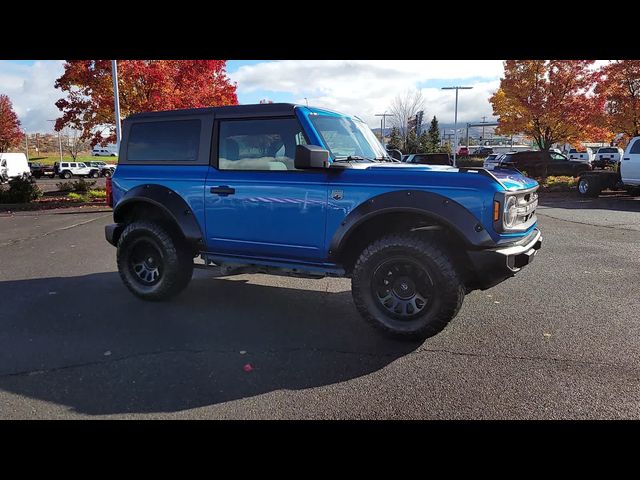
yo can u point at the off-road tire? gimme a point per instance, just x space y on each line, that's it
177 261
431 256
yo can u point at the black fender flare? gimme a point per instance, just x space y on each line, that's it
171 203
443 210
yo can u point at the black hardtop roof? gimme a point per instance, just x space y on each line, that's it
253 109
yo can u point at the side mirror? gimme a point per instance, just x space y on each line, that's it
311 156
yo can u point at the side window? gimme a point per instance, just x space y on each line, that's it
73 165
164 141
268 144
82 165
557 157
635 148
64 165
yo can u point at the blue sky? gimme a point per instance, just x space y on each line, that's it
360 87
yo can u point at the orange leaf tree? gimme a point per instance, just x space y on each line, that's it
144 85
10 132
619 88
550 101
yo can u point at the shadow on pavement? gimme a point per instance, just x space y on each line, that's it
88 344
618 201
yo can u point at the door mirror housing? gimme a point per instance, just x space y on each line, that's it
311 156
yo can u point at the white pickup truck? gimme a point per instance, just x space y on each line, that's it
590 184
584 156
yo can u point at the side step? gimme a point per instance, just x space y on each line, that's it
222 266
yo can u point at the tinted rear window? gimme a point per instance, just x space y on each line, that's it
608 150
172 141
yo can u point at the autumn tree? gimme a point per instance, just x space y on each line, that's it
619 89
404 107
144 85
549 100
10 133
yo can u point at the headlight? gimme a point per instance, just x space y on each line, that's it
510 213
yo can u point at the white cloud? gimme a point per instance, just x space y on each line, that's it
30 88
367 87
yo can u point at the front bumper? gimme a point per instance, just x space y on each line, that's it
493 266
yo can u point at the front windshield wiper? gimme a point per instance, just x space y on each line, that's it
353 158
387 158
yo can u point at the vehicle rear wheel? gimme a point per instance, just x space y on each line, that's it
589 187
406 286
152 264
107 173
66 175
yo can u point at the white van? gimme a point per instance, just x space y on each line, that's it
16 165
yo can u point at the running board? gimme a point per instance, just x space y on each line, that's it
226 266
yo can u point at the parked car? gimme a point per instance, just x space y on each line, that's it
463 151
105 169
482 152
607 157
16 165
428 158
627 177
293 190
493 160
585 156
102 152
39 170
3 173
532 162
79 169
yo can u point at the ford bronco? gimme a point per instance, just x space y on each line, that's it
292 190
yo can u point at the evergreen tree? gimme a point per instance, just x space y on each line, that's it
394 142
434 135
424 142
411 144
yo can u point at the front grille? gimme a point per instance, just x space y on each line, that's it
527 205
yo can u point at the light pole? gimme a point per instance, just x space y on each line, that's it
116 100
383 123
59 140
455 120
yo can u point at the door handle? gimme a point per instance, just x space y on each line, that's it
626 158
223 190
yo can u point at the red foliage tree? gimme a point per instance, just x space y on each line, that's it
619 87
10 132
144 85
551 101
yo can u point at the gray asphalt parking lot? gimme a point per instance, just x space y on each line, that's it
560 340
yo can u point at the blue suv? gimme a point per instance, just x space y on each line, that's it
292 190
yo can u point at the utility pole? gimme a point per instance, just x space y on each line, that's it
26 141
116 100
455 121
59 140
383 123
484 120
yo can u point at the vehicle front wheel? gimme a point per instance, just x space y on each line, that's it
588 187
407 286
94 175
152 264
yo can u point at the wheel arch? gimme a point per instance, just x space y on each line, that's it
159 203
405 211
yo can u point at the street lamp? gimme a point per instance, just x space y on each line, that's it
383 123
455 121
116 100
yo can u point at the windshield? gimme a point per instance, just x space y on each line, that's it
346 137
